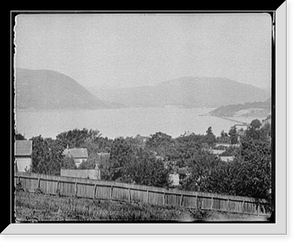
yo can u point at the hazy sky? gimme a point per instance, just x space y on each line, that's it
119 50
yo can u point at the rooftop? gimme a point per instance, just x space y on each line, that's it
23 148
76 152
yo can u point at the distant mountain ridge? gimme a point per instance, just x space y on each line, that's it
185 92
46 89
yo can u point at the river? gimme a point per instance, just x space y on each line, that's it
124 122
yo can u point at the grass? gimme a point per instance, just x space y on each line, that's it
38 207
35 207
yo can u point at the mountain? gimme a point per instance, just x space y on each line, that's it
46 89
185 92
257 109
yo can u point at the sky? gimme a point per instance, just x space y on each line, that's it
124 50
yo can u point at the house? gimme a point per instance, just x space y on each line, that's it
226 158
178 175
215 151
79 154
224 145
174 178
242 126
23 153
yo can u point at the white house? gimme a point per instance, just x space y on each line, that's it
23 152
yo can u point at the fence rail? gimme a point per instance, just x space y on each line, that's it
95 189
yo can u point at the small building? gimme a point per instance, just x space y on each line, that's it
79 154
23 153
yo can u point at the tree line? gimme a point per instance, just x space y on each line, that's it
150 160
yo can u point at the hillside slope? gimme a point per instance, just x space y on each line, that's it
45 89
185 92
244 110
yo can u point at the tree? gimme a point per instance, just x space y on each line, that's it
249 174
255 124
76 137
19 136
121 156
47 156
255 180
160 143
266 130
210 138
255 132
223 138
233 135
222 134
146 170
91 162
68 163
185 148
40 152
202 164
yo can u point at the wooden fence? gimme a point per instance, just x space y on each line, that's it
108 190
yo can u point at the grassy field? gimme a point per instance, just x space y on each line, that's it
34 207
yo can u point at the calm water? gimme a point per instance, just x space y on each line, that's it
121 122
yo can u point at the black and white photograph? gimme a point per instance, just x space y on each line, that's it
144 117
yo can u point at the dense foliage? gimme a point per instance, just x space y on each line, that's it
150 160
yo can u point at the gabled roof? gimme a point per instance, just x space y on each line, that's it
76 152
23 147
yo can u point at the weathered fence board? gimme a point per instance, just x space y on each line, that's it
48 187
103 192
96 189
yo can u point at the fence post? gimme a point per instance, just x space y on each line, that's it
147 196
95 189
75 189
243 203
212 202
196 201
228 205
111 192
164 198
258 206
57 186
129 195
181 198
39 180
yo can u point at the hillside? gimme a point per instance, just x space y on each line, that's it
245 110
45 89
185 92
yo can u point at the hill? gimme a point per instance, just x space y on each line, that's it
245 110
185 92
46 89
